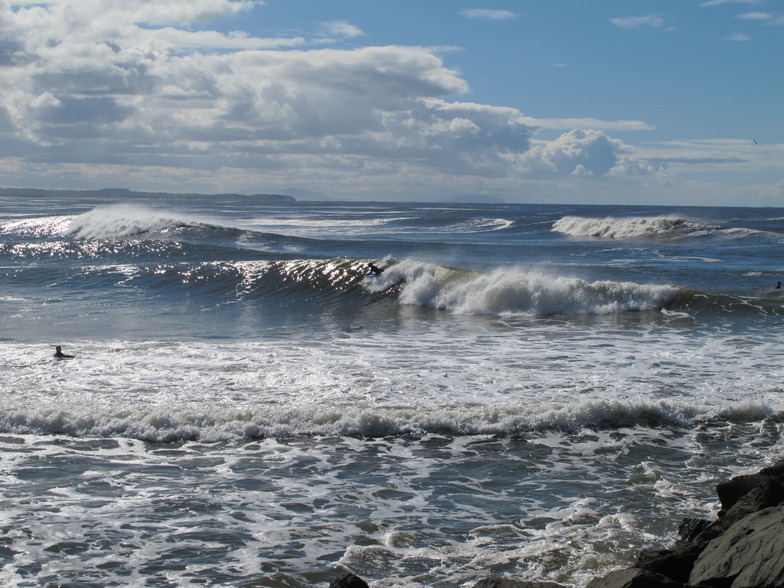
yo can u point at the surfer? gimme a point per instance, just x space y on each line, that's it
778 286
58 353
374 270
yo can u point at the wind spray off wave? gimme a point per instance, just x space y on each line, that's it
124 220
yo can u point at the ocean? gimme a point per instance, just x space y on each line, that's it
529 391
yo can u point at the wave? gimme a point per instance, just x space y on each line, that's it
625 228
507 291
123 220
169 423
114 221
516 291
42 227
341 281
319 282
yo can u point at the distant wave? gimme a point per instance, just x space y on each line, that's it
124 220
103 222
481 225
624 228
517 291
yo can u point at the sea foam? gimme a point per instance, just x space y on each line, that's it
518 291
624 228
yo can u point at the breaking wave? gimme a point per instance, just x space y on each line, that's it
115 221
517 291
122 220
624 228
167 424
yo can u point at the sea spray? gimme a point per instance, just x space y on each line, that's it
124 220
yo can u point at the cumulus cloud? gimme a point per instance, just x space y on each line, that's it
585 152
129 84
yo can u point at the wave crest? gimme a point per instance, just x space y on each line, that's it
516 291
167 424
123 220
622 228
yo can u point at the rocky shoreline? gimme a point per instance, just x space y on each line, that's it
742 548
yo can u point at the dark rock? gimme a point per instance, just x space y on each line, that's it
348 580
504 583
649 555
673 563
634 578
767 485
690 528
750 554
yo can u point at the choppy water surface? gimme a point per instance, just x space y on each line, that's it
532 391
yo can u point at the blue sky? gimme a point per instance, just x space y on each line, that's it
649 102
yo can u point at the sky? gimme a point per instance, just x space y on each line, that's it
654 102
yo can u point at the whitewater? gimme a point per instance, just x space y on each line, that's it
531 391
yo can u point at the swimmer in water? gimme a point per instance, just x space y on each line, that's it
58 353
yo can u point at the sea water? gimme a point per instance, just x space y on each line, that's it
531 391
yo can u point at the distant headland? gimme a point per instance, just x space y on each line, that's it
296 195
123 193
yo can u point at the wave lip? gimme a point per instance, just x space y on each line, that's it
624 228
124 220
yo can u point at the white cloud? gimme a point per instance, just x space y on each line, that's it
488 14
763 17
341 28
755 16
174 97
571 123
634 22
92 98
719 2
737 37
584 153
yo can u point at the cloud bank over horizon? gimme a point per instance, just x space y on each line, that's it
147 95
